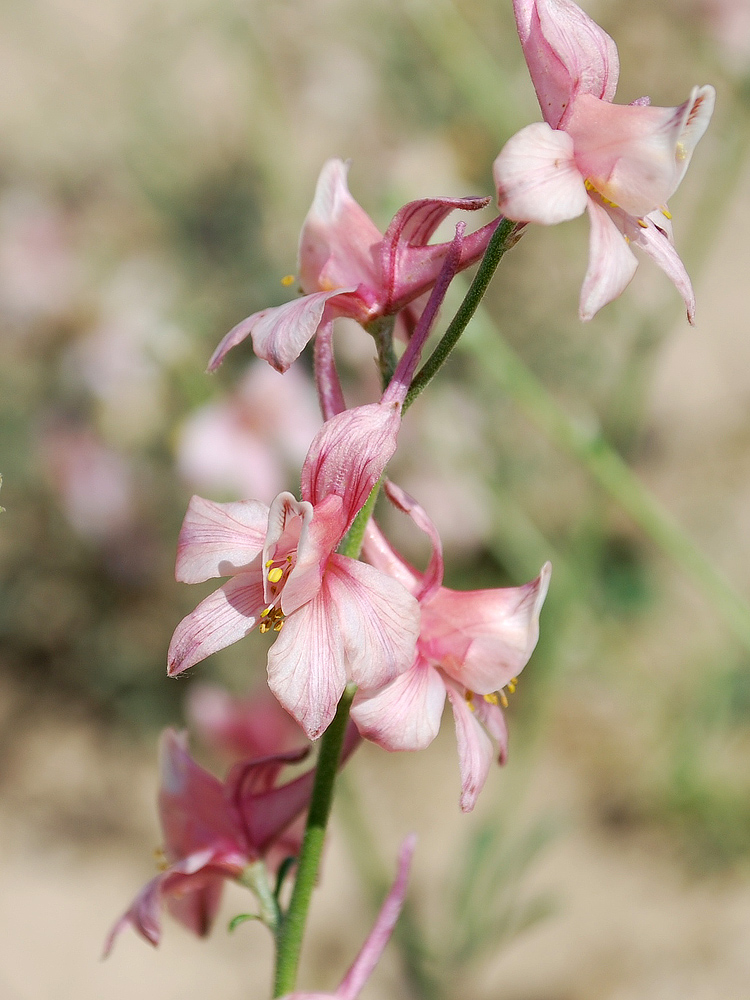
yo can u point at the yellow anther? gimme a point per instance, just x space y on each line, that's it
264 627
643 224
274 575
680 152
264 612
161 861
511 687
665 212
503 699
469 699
514 680
278 625
287 280
491 698
269 562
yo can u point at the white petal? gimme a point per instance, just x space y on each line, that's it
612 263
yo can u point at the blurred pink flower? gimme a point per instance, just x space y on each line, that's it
620 163
472 644
246 444
369 955
212 831
338 619
348 268
241 727
95 483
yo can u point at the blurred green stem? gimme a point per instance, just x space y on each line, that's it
503 366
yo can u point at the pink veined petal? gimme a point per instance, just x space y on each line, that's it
317 541
281 332
219 539
636 156
483 638
369 956
432 578
612 263
408 265
537 178
492 718
406 714
567 54
338 239
474 749
378 621
348 455
224 617
306 664
288 524
192 806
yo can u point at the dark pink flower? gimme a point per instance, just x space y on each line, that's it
348 268
212 831
620 163
472 644
369 955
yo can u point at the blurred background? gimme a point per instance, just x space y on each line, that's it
158 158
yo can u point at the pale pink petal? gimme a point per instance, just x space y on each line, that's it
317 541
288 524
330 393
406 714
348 455
655 240
281 332
338 239
369 956
197 902
306 664
567 54
636 156
492 718
379 621
432 578
474 749
483 638
219 539
224 617
378 551
537 178
612 263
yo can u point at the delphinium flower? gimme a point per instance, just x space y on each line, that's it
347 267
369 955
213 831
472 646
621 163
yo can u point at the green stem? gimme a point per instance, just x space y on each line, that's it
292 927
381 331
505 236
352 543
255 877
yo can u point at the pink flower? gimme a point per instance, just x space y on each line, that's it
212 832
471 646
246 444
348 268
369 955
337 619
620 163
241 728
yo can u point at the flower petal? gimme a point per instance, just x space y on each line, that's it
224 617
378 552
567 54
612 263
636 156
379 621
493 719
405 714
306 665
317 542
281 332
432 578
219 539
348 455
537 178
474 749
655 240
338 239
